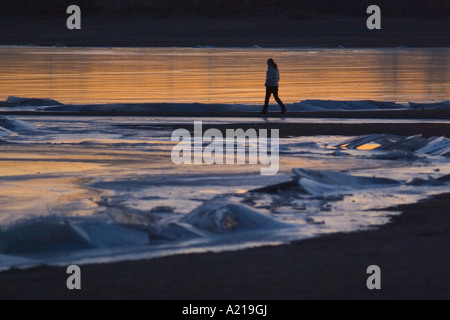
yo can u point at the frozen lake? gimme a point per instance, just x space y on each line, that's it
98 189
79 189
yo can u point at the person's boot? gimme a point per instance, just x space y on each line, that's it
264 111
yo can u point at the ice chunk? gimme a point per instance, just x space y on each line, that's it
5 133
173 231
324 105
15 125
320 182
406 144
436 146
13 101
223 216
411 143
425 182
436 105
41 235
104 235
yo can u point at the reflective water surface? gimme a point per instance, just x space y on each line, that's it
213 75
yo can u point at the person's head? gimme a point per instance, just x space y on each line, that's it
272 63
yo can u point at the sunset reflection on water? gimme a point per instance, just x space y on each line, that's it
218 75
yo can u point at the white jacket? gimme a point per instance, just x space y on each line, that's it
272 77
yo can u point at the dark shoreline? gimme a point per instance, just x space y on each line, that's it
426 130
288 129
411 251
439 114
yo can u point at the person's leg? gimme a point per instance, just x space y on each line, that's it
266 100
278 100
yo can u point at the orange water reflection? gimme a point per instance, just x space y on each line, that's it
91 75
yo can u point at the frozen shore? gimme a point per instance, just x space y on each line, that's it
340 251
366 109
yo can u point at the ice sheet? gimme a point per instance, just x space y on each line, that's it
18 103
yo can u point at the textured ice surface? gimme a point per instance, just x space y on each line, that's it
99 189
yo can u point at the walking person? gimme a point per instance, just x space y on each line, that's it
272 78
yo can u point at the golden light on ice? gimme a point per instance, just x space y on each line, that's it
368 146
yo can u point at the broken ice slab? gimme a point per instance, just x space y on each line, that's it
436 105
276 188
12 124
321 182
379 139
323 105
13 101
437 146
389 142
220 215
410 143
5 132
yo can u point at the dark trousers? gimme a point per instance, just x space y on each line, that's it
269 92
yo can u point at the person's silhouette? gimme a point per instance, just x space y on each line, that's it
272 78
